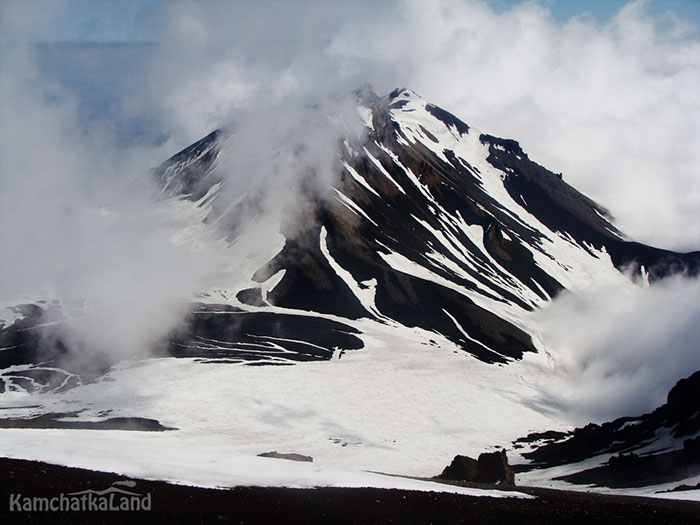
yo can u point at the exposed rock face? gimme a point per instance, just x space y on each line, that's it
675 426
632 470
69 420
462 468
291 456
491 467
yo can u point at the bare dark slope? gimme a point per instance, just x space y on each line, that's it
563 208
624 437
182 504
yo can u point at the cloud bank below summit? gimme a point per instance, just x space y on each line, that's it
619 350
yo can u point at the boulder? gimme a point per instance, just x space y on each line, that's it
493 467
462 468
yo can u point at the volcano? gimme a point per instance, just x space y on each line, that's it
430 224
426 250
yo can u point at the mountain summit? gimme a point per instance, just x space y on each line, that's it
430 223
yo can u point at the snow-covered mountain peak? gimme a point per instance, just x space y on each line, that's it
407 260
403 94
428 223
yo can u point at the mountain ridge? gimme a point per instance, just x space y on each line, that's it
404 174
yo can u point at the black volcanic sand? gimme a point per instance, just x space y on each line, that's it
58 420
181 504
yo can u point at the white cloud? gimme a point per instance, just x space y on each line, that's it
613 106
77 217
619 350
78 221
219 59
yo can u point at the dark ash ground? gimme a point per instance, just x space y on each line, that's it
181 504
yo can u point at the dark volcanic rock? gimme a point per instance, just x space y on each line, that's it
447 118
24 342
220 332
491 468
291 456
189 171
63 420
550 436
683 400
631 470
462 468
212 332
679 416
679 413
251 296
562 208
681 488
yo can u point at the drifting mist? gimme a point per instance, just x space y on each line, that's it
620 349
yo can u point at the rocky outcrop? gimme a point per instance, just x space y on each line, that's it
462 468
632 470
291 456
491 467
678 420
68 420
